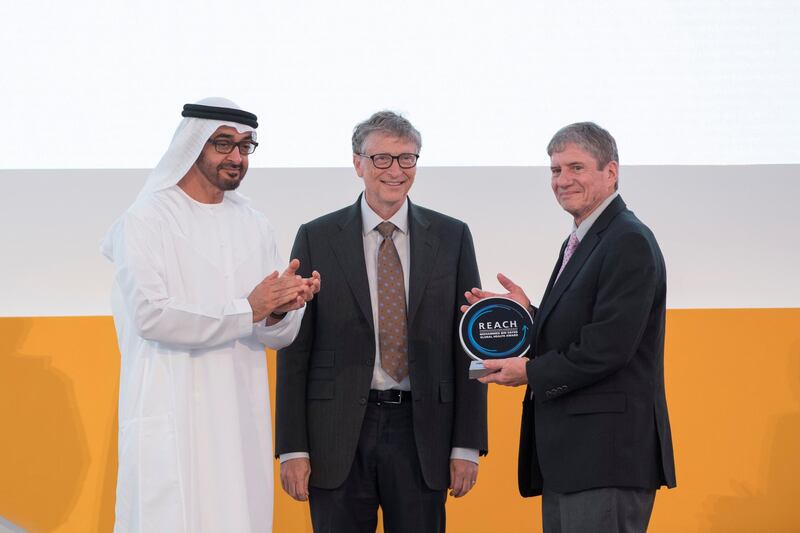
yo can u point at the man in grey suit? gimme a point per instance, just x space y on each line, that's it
374 405
595 438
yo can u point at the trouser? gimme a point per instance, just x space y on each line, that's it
386 473
603 510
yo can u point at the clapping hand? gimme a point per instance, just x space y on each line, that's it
283 293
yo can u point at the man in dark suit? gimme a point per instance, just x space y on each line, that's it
374 405
595 438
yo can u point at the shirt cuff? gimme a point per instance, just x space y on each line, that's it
467 454
292 455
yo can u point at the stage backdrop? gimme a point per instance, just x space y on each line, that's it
701 97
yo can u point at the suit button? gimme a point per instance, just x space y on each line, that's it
362 401
368 362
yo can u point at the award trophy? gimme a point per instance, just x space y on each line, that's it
494 328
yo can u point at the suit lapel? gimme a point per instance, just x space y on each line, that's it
537 318
348 247
424 244
555 272
576 262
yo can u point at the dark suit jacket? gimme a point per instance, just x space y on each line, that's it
598 417
324 377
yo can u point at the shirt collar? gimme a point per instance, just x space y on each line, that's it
586 225
370 218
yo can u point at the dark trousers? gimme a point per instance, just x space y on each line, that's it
604 510
385 473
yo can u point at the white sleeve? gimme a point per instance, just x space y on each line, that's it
282 334
157 315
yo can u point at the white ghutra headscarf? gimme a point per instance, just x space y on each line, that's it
200 121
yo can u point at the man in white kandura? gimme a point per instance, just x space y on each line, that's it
196 298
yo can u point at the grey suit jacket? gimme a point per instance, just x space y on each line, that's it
598 415
324 377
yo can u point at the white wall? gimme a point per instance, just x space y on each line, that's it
728 233
99 84
689 89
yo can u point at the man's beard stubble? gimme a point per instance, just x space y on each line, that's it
212 174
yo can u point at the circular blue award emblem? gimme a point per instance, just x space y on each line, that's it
496 328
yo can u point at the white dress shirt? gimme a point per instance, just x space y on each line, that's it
583 228
372 242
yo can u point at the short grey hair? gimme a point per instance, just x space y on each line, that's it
588 136
387 122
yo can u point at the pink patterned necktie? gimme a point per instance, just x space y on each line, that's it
392 328
572 243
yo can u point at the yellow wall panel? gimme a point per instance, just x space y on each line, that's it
733 386
59 379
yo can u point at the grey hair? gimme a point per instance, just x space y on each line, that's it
387 122
590 137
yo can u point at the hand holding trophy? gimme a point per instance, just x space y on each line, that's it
494 327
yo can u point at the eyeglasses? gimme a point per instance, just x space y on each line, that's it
384 161
226 146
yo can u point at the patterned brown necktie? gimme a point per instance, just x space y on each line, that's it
391 307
